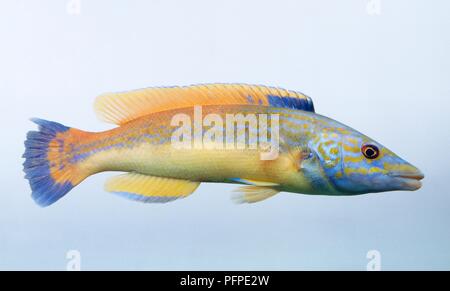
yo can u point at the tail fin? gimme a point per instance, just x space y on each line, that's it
47 165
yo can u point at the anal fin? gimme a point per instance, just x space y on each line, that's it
150 189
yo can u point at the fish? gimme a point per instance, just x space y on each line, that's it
168 140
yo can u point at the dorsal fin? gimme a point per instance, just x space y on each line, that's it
120 108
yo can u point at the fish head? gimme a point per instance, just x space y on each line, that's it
356 164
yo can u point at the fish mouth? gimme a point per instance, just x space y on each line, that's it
409 181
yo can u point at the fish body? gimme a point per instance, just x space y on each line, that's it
268 139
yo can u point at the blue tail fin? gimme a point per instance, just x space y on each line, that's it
45 164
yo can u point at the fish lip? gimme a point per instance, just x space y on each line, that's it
411 176
409 181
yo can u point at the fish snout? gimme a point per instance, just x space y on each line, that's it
407 176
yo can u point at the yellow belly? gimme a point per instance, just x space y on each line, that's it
205 165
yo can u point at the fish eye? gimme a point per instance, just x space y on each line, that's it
370 151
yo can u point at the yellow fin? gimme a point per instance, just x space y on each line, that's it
150 189
252 194
120 108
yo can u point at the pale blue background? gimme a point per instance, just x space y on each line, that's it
386 75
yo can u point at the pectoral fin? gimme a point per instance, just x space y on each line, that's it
150 189
252 194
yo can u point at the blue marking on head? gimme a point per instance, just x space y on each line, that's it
361 174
